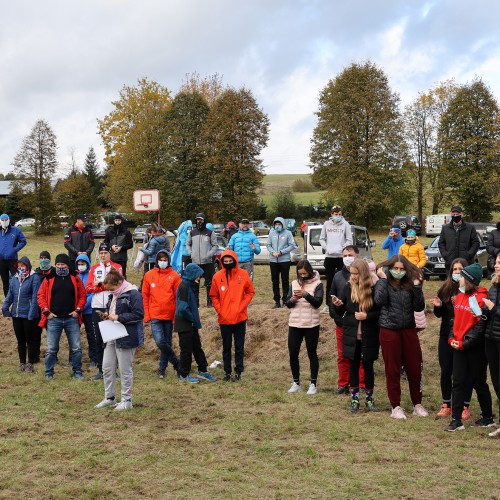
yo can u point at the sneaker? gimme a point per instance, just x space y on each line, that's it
29 368
237 377
22 367
398 413
277 305
354 406
227 377
370 405
495 433
189 378
78 376
105 403
92 365
294 388
97 376
455 425
312 390
420 411
465 414
207 376
124 405
485 422
445 411
325 310
49 377
160 373
342 390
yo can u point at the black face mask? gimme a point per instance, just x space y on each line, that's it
456 218
199 225
229 266
409 242
305 278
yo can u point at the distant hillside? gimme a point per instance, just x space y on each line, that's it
272 183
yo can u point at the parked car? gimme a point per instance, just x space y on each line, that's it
435 265
291 225
259 227
483 228
98 231
29 221
405 222
314 253
434 223
263 256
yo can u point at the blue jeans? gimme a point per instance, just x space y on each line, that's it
55 326
162 333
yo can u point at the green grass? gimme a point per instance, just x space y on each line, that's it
272 183
232 440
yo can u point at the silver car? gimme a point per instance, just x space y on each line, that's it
263 257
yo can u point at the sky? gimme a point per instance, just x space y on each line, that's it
66 61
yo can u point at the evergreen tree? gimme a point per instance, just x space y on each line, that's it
92 174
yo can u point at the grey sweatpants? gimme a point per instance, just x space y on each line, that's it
248 267
125 358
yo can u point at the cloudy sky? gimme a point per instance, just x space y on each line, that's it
66 60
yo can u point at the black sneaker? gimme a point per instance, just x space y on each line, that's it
455 425
370 405
97 376
227 377
342 390
161 373
237 377
354 406
277 305
485 422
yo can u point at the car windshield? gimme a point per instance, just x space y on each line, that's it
434 243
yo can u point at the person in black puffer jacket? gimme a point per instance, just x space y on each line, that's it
399 295
492 333
493 247
443 308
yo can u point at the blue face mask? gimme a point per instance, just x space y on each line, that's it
455 277
336 219
44 264
62 271
461 289
278 228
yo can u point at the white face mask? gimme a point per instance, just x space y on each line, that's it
462 289
348 260
82 267
455 277
162 264
5 223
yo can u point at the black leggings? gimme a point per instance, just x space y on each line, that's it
295 336
492 349
354 370
28 339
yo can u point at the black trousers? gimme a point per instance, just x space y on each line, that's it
238 331
280 269
472 361
354 370
27 333
122 263
295 337
97 345
7 270
445 354
88 324
208 273
190 345
492 350
332 265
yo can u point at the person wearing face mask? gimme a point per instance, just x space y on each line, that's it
78 239
413 250
280 243
21 305
231 292
12 240
335 235
201 245
304 300
458 239
467 342
61 299
119 238
399 294
187 323
246 245
158 293
393 242
443 304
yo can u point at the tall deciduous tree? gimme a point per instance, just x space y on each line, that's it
210 87
74 195
470 140
132 134
358 150
35 166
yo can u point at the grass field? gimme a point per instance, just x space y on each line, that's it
247 440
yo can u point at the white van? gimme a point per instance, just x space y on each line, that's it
314 253
434 223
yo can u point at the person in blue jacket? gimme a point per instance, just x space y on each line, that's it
280 243
245 244
21 305
158 241
12 240
180 257
393 242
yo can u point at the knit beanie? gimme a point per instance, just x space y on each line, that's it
44 254
62 258
411 232
473 273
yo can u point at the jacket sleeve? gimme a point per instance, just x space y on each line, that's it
136 312
474 336
107 236
442 244
418 298
68 245
269 244
34 310
316 299
8 302
386 243
90 243
322 238
290 244
255 241
129 242
422 258
249 293
373 314
438 311
42 296
213 242
381 293
146 289
288 301
214 295
91 288
189 242
490 245
473 244
150 248
81 295
403 250
20 241
349 240
182 304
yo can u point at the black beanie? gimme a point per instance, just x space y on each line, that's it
62 258
44 254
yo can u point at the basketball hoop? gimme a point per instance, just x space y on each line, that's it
146 200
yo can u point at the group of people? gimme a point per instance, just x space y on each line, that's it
374 307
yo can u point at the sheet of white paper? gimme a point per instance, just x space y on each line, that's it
112 330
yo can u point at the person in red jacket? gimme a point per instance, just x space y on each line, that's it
231 292
159 290
467 340
61 298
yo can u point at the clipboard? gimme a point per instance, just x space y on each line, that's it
112 330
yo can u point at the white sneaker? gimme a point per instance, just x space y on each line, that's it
398 413
295 388
495 433
124 405
105 403
312 389
420 411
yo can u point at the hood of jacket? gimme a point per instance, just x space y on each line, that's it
279 219
192 272
157 258
26 262
184 228
85 259
232 254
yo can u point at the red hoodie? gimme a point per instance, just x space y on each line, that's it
464 319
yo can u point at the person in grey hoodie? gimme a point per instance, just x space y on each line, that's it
335 235
280 243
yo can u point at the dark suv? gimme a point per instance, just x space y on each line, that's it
405 222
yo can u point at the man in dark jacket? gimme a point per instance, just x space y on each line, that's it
78 239
458 239
119 238
493 247
11 241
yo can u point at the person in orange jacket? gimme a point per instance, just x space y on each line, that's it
413 250
159 290
231 292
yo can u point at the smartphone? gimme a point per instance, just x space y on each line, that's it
334 297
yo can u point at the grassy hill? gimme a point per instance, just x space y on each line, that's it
274 182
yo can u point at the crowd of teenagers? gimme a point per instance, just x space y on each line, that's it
375 307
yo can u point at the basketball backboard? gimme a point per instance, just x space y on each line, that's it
146 200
